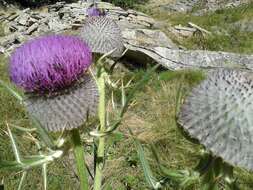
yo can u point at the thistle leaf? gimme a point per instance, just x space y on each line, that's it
151 180
14 146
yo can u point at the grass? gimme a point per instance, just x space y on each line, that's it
225 35
151 118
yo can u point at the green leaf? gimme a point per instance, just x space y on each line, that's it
12 91
10 166
44 135
151 180
79 158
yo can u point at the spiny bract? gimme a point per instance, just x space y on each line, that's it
219 112
103 35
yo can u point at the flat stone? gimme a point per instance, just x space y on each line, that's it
2 50
12 17
7 40
174 59
23 19
32 28
145 19
147 38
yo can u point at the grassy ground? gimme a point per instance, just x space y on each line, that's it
225 35
151 117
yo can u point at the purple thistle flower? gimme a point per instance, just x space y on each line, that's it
93 11
49 63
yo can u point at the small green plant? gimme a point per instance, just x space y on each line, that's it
126 3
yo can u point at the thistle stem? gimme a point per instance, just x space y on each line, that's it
101 143
79 157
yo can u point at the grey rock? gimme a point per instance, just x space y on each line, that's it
182 31
7 40
180 6
213 5
2 50
32 28
12 17
56 25
23 19
174 59
147 38
244 25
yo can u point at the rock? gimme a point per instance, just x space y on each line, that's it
244 25
23 19
182 31
8 40
213 5
180 6
174 59
12 17
56 25
147 38
2 50
32 28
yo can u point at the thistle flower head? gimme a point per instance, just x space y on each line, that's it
219 112
94 11
49 63
103 35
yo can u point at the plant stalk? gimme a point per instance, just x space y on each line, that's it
101 143
80 161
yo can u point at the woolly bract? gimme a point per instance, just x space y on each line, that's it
66 109
219 112
103 35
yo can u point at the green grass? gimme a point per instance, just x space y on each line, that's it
151 118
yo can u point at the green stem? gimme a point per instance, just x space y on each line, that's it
101 143
79 157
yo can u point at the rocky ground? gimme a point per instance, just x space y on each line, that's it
142 34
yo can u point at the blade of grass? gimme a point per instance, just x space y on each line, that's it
13 92
44 174
21 182
14 145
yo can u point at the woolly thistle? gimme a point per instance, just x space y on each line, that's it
102 35
219 112
51 70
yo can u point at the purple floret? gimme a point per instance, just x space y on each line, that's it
94 11
49 63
